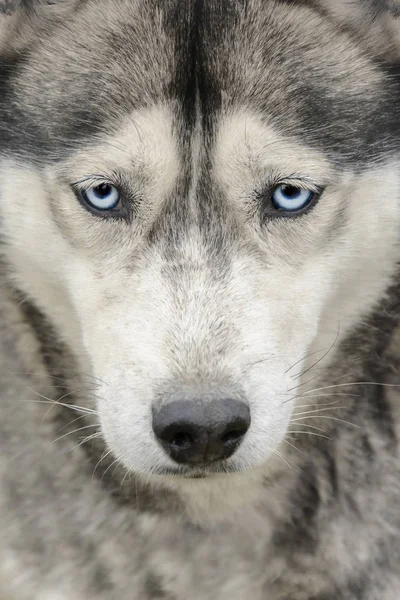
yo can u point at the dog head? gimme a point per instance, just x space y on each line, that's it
202 197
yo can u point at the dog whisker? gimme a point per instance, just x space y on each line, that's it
318 410
46 400
85 440
74 407
304 358
322 357
326 417
115 462
290 464
293 446
75 431
299 424
321 435
340 385
103 457
73 421
297 387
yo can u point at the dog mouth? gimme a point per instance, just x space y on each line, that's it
206 471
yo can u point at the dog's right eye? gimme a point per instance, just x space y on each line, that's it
291 198
103 197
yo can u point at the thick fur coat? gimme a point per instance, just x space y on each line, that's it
199 286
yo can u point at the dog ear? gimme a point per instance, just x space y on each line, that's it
377 22
21 21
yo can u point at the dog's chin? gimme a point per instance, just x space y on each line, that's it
208 495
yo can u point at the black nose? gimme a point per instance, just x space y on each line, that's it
195 432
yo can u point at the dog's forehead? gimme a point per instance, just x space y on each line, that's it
284 61
291 64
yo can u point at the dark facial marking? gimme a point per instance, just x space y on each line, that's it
198 54
7 7
154 588
301 530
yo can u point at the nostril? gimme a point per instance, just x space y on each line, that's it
235 432
183 441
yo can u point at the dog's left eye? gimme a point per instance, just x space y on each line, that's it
291 198
102 197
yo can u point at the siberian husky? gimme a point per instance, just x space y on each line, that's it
200 349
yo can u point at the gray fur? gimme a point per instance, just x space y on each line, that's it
189 258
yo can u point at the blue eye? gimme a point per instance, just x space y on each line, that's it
102 197
291 198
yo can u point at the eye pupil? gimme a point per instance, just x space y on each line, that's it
103 190
290 191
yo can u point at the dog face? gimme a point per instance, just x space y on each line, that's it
202 199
